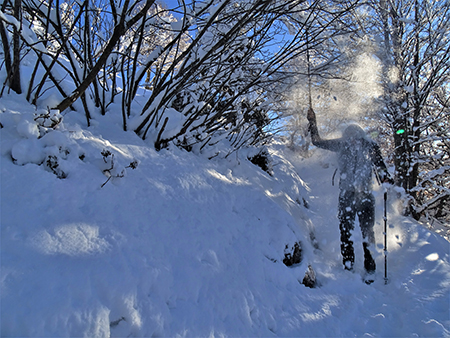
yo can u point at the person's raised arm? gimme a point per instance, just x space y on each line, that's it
332 145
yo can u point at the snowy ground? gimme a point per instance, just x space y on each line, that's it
183 246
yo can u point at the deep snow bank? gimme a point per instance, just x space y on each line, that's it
183 246
180 245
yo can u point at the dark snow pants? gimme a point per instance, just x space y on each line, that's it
353 203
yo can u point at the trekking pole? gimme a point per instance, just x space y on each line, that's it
385 238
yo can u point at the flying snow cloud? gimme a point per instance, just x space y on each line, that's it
338 101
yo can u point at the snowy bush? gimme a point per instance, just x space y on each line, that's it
51 162
262 159
53 151
111 169
43 139
293 255
40 142
47 121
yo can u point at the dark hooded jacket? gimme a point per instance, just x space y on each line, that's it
358 156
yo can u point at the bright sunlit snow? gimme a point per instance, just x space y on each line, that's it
190 247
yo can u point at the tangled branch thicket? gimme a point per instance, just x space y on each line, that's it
211 69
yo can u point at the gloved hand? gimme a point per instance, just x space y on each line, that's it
311 116
387 179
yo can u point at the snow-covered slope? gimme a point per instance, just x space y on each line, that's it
183 246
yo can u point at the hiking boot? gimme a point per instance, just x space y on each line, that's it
369 278
369 262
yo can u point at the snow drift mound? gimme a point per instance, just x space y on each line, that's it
178 246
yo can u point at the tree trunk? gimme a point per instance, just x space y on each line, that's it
14 79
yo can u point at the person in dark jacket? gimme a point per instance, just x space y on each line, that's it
358 156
